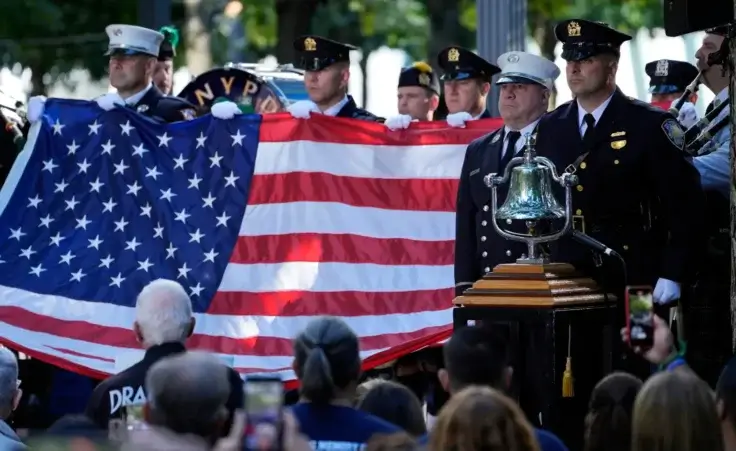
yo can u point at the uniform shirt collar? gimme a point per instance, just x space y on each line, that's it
164 349
529 129
723 95
597 113
334 109
135 98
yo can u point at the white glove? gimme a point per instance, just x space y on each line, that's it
109 101
36 105
458 120
666 291
688 115
399 122
225 110
302 109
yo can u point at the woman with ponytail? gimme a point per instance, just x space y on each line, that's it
163 77
328 365
608 423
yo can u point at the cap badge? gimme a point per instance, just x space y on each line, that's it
453 55
117 32
662 69
513 58
424 79
573 29
310 45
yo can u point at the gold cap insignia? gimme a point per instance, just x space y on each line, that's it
424 79
310 45
453 55
573 29
662 69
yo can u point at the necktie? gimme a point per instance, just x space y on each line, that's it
710 106
510 151
590 129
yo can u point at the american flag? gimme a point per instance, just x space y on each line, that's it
267 221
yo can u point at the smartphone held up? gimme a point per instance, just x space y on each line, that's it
640 316
264 412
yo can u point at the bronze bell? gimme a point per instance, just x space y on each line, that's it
530 196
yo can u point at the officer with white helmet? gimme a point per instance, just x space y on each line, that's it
133 53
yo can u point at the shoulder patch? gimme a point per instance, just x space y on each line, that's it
674 132
188 114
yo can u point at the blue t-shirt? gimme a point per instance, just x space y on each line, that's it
338 428
547 441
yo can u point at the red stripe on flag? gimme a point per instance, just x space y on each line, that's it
124 338
280 127
341 248
337 303
389 194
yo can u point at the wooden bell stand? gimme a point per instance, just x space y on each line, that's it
547 304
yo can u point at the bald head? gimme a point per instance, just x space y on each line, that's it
187 393
163 313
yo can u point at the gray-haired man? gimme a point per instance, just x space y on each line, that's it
10 394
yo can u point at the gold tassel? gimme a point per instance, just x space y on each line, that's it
568 390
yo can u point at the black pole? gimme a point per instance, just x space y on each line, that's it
154 13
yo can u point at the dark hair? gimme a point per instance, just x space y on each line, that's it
327 357
394 403
726 391
476 356
608 422
398 441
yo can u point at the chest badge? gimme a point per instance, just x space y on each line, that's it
618 145
496 138
142 108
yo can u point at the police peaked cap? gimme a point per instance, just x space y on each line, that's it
582 39
420 74
461 64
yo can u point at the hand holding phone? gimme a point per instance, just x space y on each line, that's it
264 412
640 316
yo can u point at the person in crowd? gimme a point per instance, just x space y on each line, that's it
466 82
726 404
186 401
327 73
608 422
328 365
163 76
400 441
675 411
133 53
475 356
707 315
74 431
394 403
418 95
479 418
163 323
668 80
10 394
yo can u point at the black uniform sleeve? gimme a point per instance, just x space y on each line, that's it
98 407
466 271
174 109
677 183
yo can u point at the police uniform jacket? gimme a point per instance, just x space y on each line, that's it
164 108
128 387
637 192
352 111
478 247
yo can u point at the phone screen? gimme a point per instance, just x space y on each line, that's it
640 306
263 405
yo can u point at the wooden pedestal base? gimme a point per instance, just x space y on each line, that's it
532 285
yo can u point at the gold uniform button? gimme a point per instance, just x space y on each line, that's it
485 208
615 161
580 187
578 212
583 165
508 221
484 223
626 248
484 254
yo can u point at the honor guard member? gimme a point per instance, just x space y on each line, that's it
636 193
133 53
526 82
327 73
708 317
467 82
418 95
163 77
668 80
